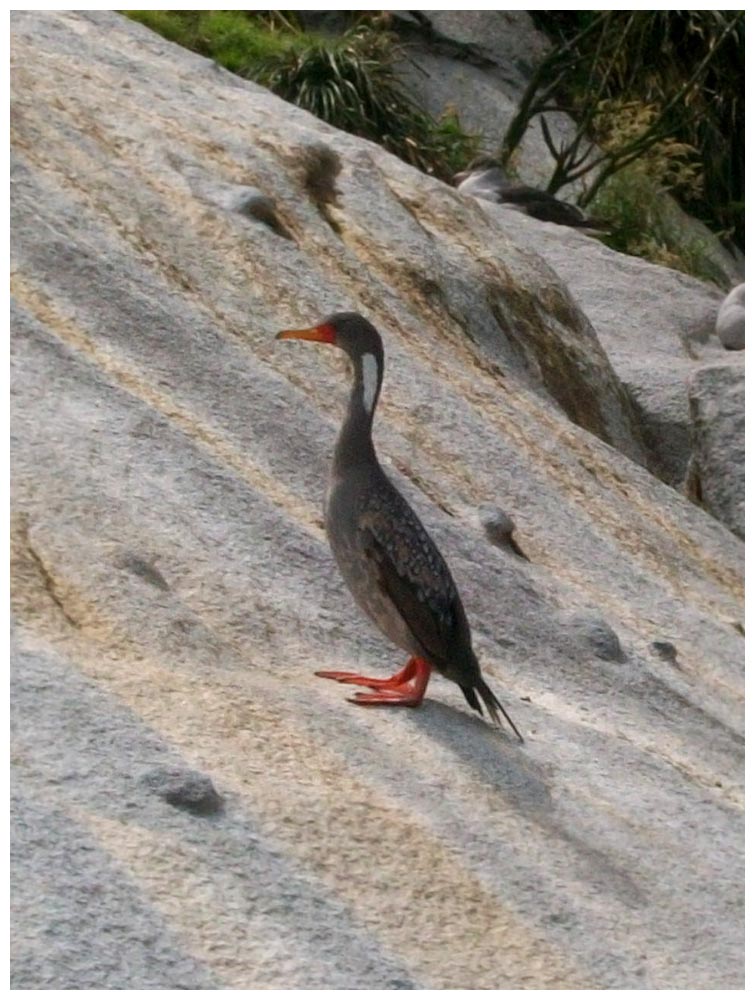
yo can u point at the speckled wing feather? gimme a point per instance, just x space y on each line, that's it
413 574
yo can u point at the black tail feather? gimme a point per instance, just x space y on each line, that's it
472 700
492 704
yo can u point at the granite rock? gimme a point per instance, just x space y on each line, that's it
716 474
173 591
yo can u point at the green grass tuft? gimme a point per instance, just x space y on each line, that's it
646 223
347 81
236 39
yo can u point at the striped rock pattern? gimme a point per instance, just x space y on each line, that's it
173 591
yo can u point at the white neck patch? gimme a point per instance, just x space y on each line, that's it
369 380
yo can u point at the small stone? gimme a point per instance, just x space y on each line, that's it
664 650
716 479
499 529
601 637
184 789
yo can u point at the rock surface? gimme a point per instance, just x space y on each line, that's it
656 325
173 591
481 72
717 402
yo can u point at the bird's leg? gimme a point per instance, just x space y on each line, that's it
409 692
402 677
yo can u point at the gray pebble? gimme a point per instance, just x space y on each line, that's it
600 637
664 650
184 789
499 529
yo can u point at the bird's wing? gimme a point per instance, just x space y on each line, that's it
413 574
553 210
546 207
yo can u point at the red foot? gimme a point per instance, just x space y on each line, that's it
407 687
344 677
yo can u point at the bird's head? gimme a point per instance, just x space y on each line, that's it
348 330
477 166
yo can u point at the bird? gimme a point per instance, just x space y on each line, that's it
388 560
486 179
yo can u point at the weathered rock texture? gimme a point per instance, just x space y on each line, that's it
173 591
717 401
478 63
656 325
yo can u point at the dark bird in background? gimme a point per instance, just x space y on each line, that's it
486 179
389 562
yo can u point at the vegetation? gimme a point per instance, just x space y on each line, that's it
657 97
644 221
235 39
348 81
683 71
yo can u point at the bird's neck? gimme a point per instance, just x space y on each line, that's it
354 445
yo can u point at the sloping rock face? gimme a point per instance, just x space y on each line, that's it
717 399
192 808
478 63
656 325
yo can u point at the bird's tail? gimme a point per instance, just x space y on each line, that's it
492 704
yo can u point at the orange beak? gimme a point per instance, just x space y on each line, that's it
324 333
